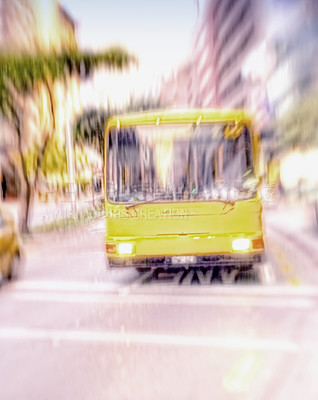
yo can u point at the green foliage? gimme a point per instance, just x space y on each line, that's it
30 160
89 128
20 74
54 163
54 160
23 72
298 127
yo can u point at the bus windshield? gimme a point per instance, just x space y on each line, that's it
177 162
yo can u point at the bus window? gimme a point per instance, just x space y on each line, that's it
177 161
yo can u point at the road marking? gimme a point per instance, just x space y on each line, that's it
242 374
127 338
59 286
183 300
294 281
286 267
189 291
266 273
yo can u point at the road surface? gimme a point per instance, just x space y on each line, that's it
71 329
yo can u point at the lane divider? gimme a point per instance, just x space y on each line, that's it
176 300
243 373
131 338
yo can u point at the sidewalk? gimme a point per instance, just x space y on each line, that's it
292 216
294 225
292 238
50 212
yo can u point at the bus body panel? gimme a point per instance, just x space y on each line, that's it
155 229
180 218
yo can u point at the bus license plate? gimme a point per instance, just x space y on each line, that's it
183 259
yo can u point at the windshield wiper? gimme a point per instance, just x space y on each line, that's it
128 206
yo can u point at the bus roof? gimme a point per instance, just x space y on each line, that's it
178 116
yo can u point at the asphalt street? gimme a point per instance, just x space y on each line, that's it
72 329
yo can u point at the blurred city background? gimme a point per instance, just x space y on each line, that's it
65 68
257 56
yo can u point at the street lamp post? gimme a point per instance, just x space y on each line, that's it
70 155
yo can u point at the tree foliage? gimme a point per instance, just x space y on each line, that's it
54 159
20 76
298 127
89 128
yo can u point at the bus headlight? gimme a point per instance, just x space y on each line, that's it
241 244
125 249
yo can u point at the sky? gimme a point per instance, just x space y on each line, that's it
159 32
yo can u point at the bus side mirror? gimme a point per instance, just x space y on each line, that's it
251 183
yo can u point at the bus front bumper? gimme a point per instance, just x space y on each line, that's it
191 250
201 261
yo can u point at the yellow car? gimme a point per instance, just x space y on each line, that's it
10 247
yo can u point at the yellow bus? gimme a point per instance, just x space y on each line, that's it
182 190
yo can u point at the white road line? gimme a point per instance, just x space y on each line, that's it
127 338
72 286
172 300
236 290
126 289
266 273
194 291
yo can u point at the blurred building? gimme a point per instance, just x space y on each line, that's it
258 55
16 25
31 26
176 90
261 56
35 25
283 76
295 72
235 28
55 28
228 31
202 77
